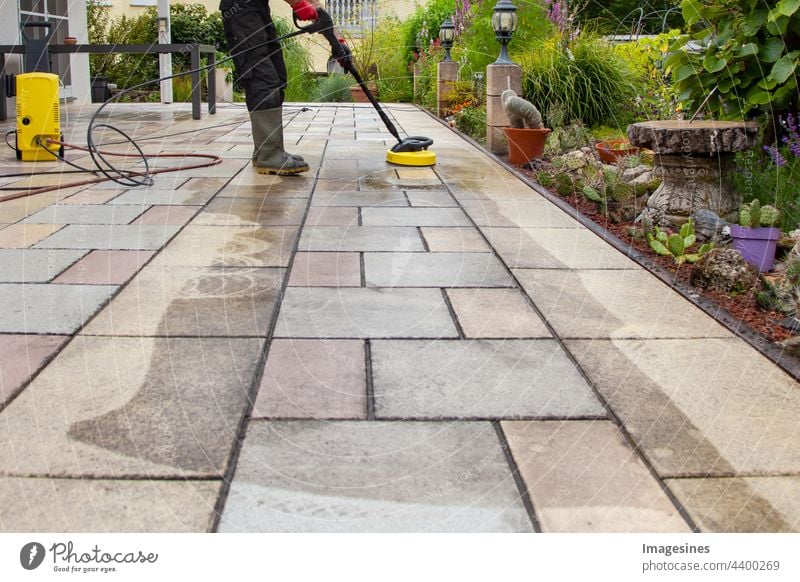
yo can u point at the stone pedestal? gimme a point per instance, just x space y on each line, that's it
445 86
695 162
498 79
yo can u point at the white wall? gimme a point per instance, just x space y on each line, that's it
79 64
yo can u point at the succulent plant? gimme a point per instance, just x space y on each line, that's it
770 216
676 245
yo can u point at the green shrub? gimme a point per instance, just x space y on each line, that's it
333 88
395 82
300 84
472 121
584 79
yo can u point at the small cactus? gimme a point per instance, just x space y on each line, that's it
676 245
770 216
750 215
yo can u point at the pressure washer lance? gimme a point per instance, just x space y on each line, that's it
409 151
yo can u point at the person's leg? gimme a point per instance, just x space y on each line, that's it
248 26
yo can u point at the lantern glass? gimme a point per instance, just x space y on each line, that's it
504 22
447 35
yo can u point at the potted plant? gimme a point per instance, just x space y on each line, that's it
756 237
365 59
613 150
527 134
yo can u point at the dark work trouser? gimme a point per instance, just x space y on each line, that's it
261 72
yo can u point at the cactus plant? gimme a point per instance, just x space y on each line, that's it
675 245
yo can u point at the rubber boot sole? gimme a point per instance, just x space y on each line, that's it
281 171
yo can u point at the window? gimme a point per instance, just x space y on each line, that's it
55 11
353 15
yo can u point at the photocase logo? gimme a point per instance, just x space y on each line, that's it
31 555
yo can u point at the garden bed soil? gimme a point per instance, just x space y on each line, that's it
742 306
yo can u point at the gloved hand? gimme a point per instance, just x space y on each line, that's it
348 54
305 11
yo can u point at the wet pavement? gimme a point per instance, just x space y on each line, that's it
362 348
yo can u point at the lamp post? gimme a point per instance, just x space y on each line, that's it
447 34
504 23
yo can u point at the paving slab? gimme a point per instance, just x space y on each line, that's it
364 313
84 214
110 237
163 215
90 197
364 199
741 505
49 309
478 379
308 476
232 246
518 213
414 217
264 192
105 268
21 356
23 236
454 240
614 304
431 198
252 211
361 238
400 269
180 197
326 270
584 478
697 408
193 301
482 189
319 379
107 506
496 313
558 248
35 265
332 216
131 407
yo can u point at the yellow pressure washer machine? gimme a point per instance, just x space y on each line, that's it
36 90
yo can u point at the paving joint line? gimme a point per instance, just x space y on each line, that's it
522 488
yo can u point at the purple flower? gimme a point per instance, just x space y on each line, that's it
776 156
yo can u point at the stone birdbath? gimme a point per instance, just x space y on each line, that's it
695 160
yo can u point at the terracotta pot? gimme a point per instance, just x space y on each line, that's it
358 93
70 40
611 154
525 145
757 245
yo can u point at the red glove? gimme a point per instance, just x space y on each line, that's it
305 11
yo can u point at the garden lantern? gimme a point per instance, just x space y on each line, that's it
504 23
447 34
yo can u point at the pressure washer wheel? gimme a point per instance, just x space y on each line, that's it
16 147
412 151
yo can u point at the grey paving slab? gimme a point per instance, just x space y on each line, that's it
561 248
454 240
433 199
107 506
414 217
110 237
49 309
84 214
435 270
200 301
361 238
710 407
230 246
252 211
365 199
741 505
131 407
35 265
583 477
478 379
478 189
178 197
518 213
614 304
363 313
321 379
308 476
264 191
496 313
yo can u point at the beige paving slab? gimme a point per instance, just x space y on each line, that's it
477 189
90 197
614 304
131 407
400 269
710 407
414 217
496 313
454 240
583 477
518 213
110 236
229 246
107 506
251 212
84 214
332 216
363 313
432 199
556 248
363 199
23 236
746 505
361 238
322 379
192 301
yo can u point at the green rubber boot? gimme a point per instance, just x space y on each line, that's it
269 156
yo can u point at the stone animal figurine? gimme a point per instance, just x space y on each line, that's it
710 227
520 112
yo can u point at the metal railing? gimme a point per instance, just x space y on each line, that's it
353 15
